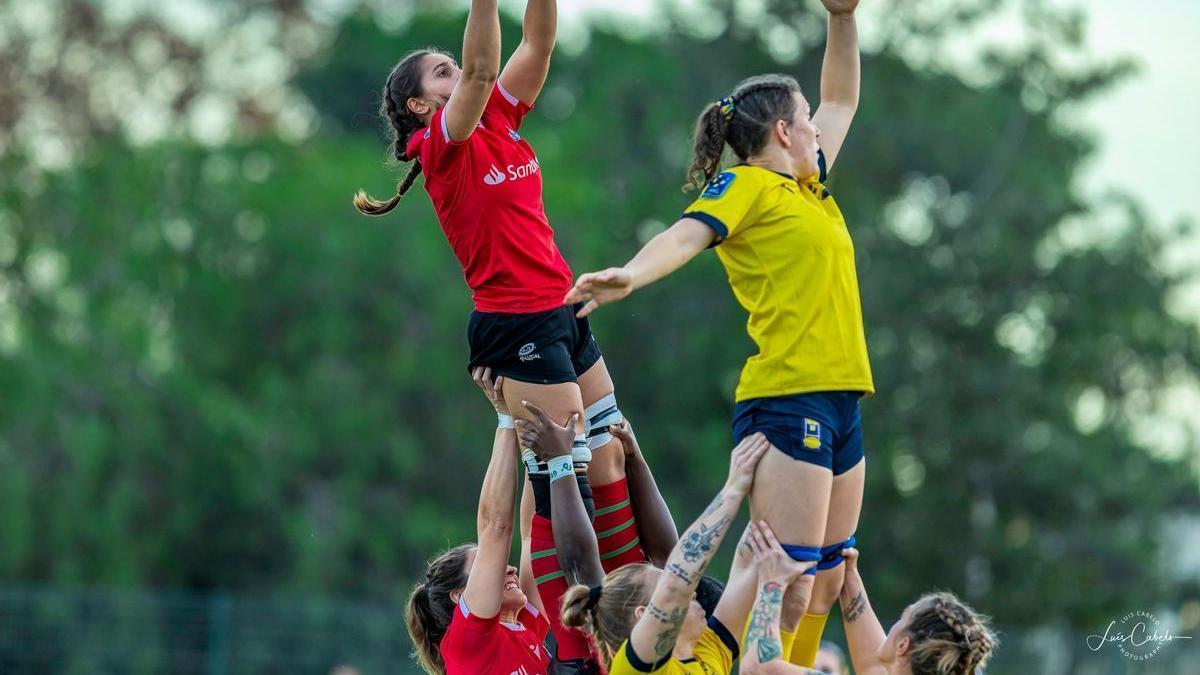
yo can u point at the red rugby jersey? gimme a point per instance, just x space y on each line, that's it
475 646
487 191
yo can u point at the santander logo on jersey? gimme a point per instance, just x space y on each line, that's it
513 172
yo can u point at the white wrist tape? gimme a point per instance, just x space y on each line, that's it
560 467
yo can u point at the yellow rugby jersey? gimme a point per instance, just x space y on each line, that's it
713 654
790 262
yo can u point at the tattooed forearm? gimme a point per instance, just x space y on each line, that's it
672 623
678 571
688 560
764 622
854 609
698 543
769 647
674 616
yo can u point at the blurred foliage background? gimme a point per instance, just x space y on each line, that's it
229 403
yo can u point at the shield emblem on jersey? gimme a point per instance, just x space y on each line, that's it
514 135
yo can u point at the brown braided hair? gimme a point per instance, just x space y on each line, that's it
403 83
948 637
430 607
742 122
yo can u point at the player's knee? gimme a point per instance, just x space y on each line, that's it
826 590
796 601
608 463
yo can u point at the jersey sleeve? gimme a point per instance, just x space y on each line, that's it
511 109
627 662
717 649
726 203
535 621
467 642
440 156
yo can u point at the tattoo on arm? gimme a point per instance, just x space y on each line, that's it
763 629
677 570
699 543
672 623
854 609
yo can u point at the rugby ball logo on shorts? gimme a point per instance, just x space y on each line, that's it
812 434
526 353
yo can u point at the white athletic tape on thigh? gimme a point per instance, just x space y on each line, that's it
600 415
580 452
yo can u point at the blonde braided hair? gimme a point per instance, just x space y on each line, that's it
948 637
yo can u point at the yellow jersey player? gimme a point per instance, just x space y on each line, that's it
790 260
637 614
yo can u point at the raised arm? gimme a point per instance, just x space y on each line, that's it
776 572
660 256
480 64
654 634
525 72
656 527
574 539
494 523
839 79
864 633
527 580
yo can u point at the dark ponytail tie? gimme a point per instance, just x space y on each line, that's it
593 597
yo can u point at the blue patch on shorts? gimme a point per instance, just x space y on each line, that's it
822 428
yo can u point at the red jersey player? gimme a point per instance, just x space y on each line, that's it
460 127
469 616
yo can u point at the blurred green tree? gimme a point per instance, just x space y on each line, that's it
216 374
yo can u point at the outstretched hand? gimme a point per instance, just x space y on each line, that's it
492 389
774 564
542 435
600 288
744 461
840 6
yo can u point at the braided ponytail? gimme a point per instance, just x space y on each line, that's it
742 122
948 637
403 83
707 148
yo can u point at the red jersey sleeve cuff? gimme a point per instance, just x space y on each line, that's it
472 622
